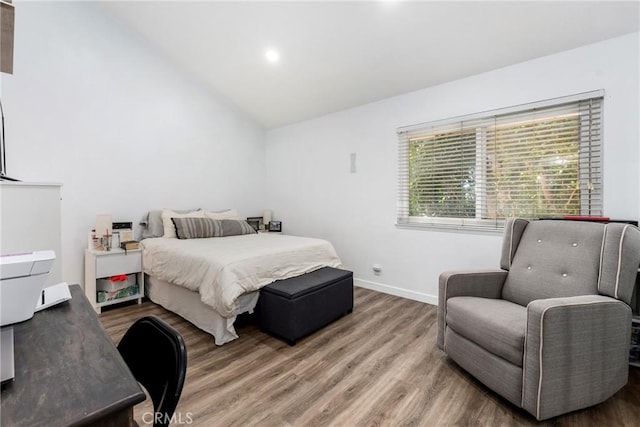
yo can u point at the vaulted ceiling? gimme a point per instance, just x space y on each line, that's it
337 55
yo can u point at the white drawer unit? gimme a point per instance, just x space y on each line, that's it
112 263
105 264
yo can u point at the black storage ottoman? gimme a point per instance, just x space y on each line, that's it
295 307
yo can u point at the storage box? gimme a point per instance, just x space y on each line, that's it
104 296
112 284
295 307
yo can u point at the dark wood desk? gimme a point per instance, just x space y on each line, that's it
68 372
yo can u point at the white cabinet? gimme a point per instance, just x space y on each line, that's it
104 264
31 221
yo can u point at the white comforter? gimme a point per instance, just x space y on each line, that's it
223 268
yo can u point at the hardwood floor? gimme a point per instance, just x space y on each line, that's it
377 366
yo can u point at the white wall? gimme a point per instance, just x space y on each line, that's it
93 106
312 191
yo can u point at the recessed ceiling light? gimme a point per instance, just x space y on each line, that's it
272 55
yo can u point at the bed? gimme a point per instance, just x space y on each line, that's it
209 281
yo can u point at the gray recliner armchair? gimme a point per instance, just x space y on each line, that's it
550 330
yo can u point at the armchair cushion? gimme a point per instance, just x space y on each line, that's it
555 259
493 324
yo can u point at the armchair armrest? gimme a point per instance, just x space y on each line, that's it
476 283
576 353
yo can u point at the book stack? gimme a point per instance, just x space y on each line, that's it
129 245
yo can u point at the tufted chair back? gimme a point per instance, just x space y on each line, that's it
551 259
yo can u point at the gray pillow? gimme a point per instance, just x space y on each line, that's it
198 228
152 225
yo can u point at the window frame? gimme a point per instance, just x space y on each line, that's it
595 102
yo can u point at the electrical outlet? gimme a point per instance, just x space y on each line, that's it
377 269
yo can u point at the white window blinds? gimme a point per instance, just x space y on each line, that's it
534 160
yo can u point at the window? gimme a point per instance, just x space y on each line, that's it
529 161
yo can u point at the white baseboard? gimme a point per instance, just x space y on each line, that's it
399 292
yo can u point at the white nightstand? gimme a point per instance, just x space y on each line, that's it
102 264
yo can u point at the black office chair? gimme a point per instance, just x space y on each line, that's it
156 354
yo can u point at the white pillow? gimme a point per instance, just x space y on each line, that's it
227 214
169 227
